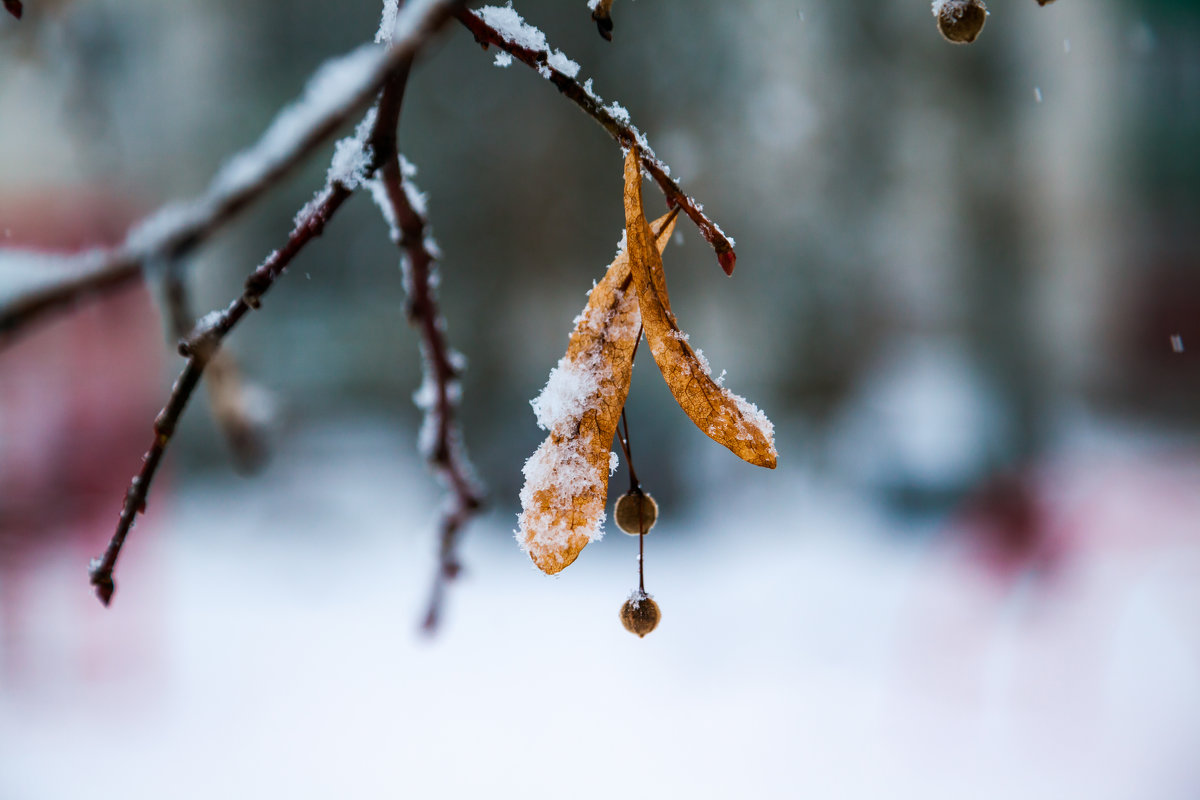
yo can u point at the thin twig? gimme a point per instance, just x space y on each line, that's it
441 437
179 228
200 348
233 402
613 119
415 25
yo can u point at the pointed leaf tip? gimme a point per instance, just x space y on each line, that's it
722 415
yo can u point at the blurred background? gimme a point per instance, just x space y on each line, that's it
968 295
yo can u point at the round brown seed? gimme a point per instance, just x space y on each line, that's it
635 512
640 614
960 21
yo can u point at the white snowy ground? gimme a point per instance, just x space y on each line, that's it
263 645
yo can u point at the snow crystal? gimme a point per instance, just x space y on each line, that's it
567 394
592 4
416 198
613 462
380 196
407 168
503 59
755 417
562 467
515 30
563 64
637 596
352 155
621 243
512 27
208 321
619 112
387 23
434 249
1177 343
426 398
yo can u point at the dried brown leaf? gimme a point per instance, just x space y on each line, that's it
722 415
566 480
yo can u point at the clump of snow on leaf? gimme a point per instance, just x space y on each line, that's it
565 485
560 469
568 393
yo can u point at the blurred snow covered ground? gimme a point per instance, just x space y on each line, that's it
263 644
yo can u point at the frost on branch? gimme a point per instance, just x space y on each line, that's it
515 30
505 29
566 480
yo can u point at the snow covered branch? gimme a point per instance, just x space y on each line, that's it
341 88
402 206
504 28
200 348
246 176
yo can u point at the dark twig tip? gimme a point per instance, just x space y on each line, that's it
728 260
105 586
14 7
604 25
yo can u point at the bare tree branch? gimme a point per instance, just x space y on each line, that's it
414 25
441 440
341 88
613 119
200 348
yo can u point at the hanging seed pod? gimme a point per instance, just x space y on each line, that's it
635 512
960 21
640 614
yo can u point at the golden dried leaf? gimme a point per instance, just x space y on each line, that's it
566 480
722 415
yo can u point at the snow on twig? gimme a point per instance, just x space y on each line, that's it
338 90
277 148
403 208
503 27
